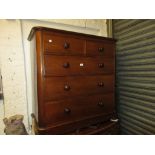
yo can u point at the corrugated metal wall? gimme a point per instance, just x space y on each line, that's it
135 75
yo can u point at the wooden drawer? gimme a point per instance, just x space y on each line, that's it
70 110
57 88
100 48
54 43
69 65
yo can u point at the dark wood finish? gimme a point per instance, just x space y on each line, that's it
59 44
106 128
81 35
100 48
72 109
71 127
76 86
69 65
40 78
75 82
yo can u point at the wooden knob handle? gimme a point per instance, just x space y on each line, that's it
100 49
66 87
67 110
66 45
100 84
101 65
66 65
101 104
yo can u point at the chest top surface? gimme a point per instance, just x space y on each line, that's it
45 29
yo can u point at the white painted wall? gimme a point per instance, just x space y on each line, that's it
15 60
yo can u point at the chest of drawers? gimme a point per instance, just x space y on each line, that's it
75 77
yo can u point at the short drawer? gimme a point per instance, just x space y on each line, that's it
100 48
70 65
57 88
80 108
54 43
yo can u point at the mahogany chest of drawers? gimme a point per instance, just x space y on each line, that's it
75 79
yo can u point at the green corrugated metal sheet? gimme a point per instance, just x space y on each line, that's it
135 75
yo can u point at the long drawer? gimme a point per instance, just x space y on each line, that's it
57 88
74 109
70 65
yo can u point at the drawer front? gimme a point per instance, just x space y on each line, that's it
57 88
60 44
69 65
100 48
79 108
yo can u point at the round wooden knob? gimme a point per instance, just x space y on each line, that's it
66 87
101 104
66 45
67 110
101 65
66 65
100 49
100 84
